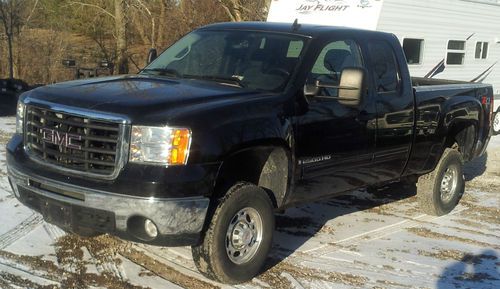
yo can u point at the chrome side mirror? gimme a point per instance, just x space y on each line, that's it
348 92
351 86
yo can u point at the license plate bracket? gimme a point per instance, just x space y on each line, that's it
56 213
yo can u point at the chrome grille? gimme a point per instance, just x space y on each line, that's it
72 142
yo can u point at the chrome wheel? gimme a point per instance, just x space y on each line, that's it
244 235
496 123
449 183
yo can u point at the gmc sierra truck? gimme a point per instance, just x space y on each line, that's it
234 122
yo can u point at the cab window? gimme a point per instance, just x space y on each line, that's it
385 69
334 57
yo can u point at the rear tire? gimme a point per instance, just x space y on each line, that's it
239 237
496 123
440 191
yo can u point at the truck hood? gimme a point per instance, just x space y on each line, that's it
137 96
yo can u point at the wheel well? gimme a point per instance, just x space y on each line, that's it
266 167
464 136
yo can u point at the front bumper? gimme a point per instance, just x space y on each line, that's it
179 220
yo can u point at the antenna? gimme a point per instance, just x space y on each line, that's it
296 25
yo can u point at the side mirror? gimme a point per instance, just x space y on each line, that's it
351 86
349 90
152 54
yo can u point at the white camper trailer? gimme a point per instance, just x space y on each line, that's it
446 39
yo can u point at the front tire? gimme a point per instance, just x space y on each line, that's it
439 192
239 237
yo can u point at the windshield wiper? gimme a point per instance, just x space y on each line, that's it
163 71
234 80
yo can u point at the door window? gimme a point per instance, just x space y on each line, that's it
334 57
385 69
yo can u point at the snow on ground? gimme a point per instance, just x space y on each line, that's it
354 241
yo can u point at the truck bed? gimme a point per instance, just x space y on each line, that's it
425 86
435 96
424 81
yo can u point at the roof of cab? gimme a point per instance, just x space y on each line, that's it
309 30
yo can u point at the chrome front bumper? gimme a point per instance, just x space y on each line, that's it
178 216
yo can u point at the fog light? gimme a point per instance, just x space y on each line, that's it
150 228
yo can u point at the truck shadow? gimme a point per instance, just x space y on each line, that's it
476 167
472 271
298 225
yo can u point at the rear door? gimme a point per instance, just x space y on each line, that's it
395 109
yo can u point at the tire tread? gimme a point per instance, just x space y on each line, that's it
202 252
427 183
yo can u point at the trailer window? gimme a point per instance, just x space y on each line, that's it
481 50
456 52
413 49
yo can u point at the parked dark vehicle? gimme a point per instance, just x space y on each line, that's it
10 89
236 121
13 85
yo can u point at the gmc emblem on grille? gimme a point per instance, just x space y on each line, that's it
61 138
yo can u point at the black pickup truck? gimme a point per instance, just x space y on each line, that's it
234 122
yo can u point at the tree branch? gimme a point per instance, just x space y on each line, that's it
228 11
94 6
32 11
153 26
30 15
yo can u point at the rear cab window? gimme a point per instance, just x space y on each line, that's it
384 67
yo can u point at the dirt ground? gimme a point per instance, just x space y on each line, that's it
354 241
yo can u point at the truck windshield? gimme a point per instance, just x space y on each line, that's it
254 60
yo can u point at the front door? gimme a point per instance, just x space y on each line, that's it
335 143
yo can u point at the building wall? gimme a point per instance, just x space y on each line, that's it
437 22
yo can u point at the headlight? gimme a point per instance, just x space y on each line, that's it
160 145
20 116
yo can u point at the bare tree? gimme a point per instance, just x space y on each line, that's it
37 37
146 11
120 19
163 20
234 9
121 23
11 17
242 10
